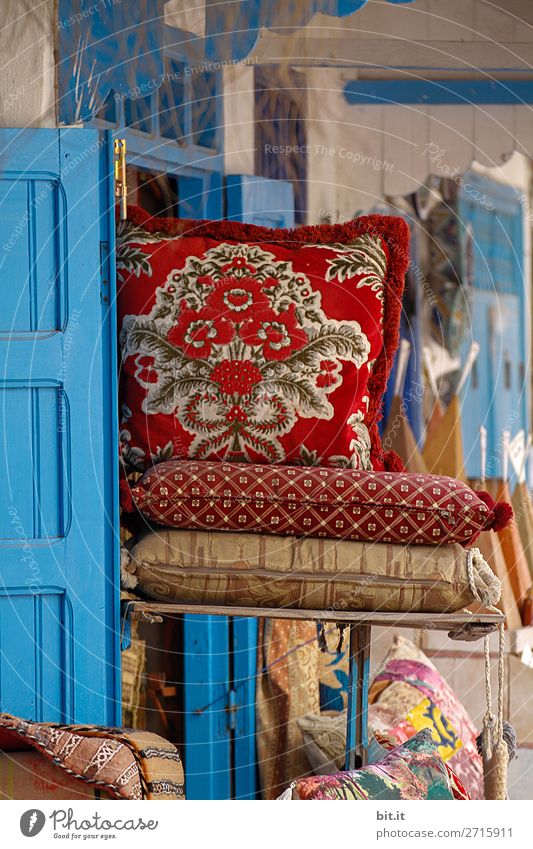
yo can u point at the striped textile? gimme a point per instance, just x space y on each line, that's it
128 764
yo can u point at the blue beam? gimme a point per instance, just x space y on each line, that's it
439 92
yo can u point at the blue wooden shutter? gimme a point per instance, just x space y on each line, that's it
206 677
497 393
59 614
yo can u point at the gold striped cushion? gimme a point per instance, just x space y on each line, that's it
259 570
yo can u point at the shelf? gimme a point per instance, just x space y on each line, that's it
461 625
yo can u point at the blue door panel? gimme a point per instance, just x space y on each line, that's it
244 685
30 257
207 721
478 403
58 552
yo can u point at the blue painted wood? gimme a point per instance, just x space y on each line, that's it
259 200
58 506
497 394
438 92
206 720
201 195
233 28
358 689
107 47
244 686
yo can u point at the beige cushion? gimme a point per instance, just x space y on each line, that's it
265 571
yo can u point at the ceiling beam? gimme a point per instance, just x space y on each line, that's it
389 53
439 92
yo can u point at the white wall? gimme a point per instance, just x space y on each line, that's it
359 154
239 151
27 76
189 15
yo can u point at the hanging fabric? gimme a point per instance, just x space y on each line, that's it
437 412
443 451
287 688
511 543
490 546
398 435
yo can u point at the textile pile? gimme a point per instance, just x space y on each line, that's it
254 364
125 763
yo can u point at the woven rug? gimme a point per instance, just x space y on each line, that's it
127 763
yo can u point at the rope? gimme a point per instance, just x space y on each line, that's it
484 585
486 589
489 720
501 679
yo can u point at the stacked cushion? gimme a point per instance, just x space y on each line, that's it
248 344
242 344
334 503
260 570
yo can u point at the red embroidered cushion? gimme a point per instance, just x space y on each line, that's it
248 344
334 503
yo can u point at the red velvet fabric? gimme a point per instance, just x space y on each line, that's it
334 503
248 344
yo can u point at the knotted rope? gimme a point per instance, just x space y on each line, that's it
486 589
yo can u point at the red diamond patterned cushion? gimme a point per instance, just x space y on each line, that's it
309 501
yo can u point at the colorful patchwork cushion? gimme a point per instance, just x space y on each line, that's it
248 344
409 694
412 771
260 570
324 737
334 503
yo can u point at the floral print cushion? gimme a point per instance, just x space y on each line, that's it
246 344
412 771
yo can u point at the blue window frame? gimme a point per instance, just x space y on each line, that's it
175 129
178 122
